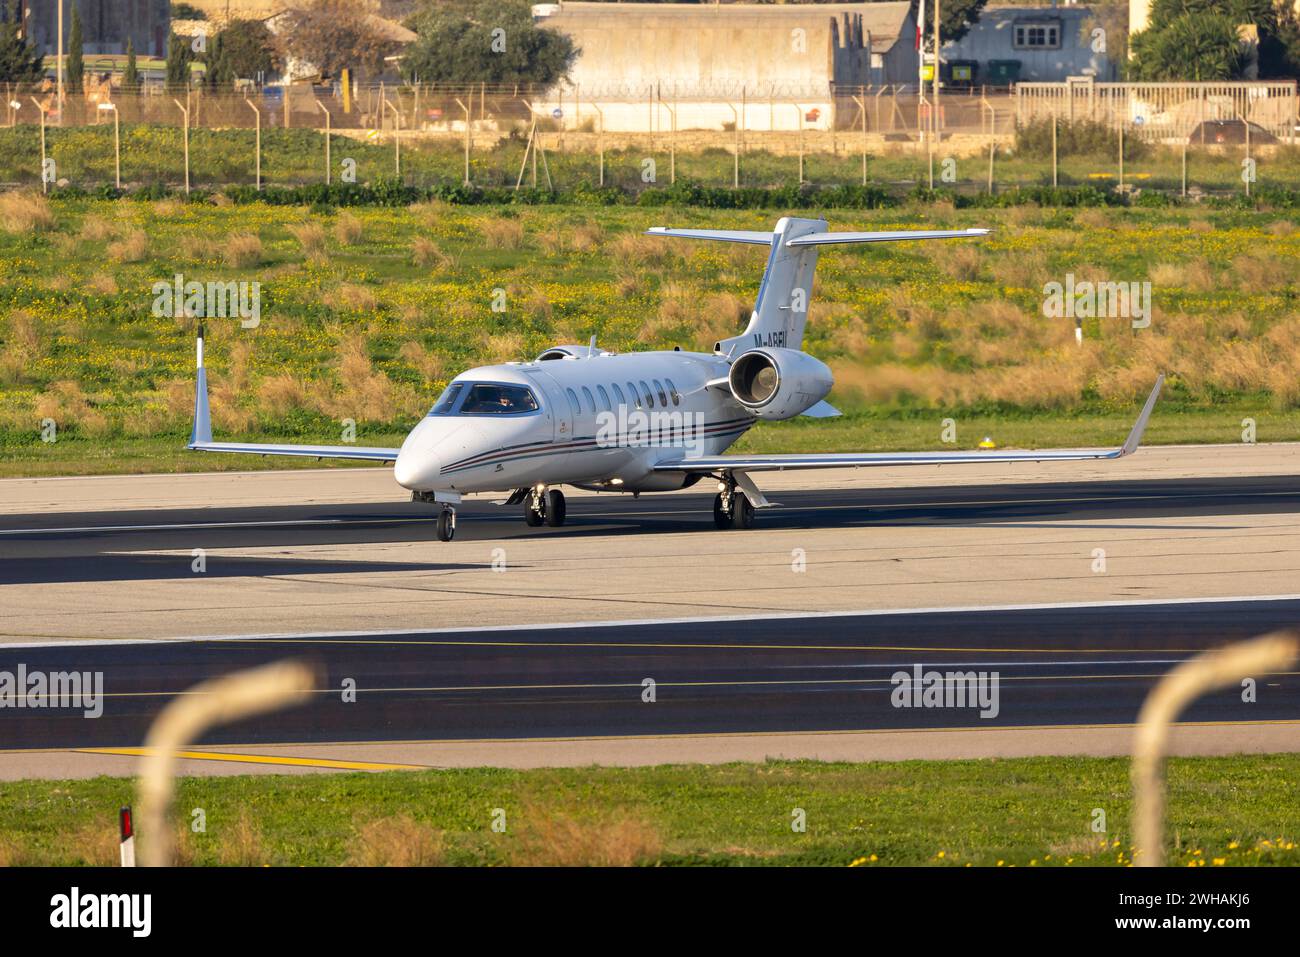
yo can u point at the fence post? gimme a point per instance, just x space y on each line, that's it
397 140
185 113
45 184
257 143
1054 155
186 717
1218 668
327 140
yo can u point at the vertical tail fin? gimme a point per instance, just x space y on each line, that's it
781 309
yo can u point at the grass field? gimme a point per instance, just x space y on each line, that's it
1023 812
366 313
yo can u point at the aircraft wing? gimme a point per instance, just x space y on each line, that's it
302 451
201 437
829 460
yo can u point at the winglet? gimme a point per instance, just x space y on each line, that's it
1135 436
202 415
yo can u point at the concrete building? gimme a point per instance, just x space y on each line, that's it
793 64
106 25
1045 43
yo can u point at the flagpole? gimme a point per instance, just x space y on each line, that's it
920 68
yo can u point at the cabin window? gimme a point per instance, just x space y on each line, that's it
636 396
591 403
447 401
573 401
618 394
491 399
663 396
649 397
672 390
604 398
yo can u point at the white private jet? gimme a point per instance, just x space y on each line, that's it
644 421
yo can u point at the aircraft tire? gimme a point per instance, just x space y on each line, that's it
742 513
555 508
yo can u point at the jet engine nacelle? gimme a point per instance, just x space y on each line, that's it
779 383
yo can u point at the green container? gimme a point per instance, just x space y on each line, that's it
1003 72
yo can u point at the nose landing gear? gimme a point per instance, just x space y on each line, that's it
446 524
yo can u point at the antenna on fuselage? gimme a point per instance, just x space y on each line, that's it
591 349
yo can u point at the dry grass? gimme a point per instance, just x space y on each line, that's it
281 394
503 234
504 347
131 248
637 251
353 298
241 844
348 229
96 229
242 250
549 839
399 841
311 238
24 211
67 404
426 254
23 346
958 261
167 208
429 364
102 284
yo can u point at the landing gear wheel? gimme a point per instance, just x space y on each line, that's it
555 508
446 525
720 517
742 513
533 517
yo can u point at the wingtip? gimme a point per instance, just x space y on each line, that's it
1140 426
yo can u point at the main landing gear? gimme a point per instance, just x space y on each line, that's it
544 506
731 508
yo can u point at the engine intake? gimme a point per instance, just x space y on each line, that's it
779 383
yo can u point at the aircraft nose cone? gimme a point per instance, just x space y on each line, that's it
416 469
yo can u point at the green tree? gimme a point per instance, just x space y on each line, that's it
217 74
1199 40
19 63
179 57
492 41
333 35
1191 47
249 49
131 75
76 71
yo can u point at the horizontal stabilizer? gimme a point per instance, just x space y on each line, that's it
888 236
751 236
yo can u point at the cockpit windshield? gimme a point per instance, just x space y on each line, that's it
488 399
447 401
484 398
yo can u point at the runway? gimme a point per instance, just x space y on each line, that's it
1079 593
1057 666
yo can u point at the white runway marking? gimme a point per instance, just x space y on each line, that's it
640 622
